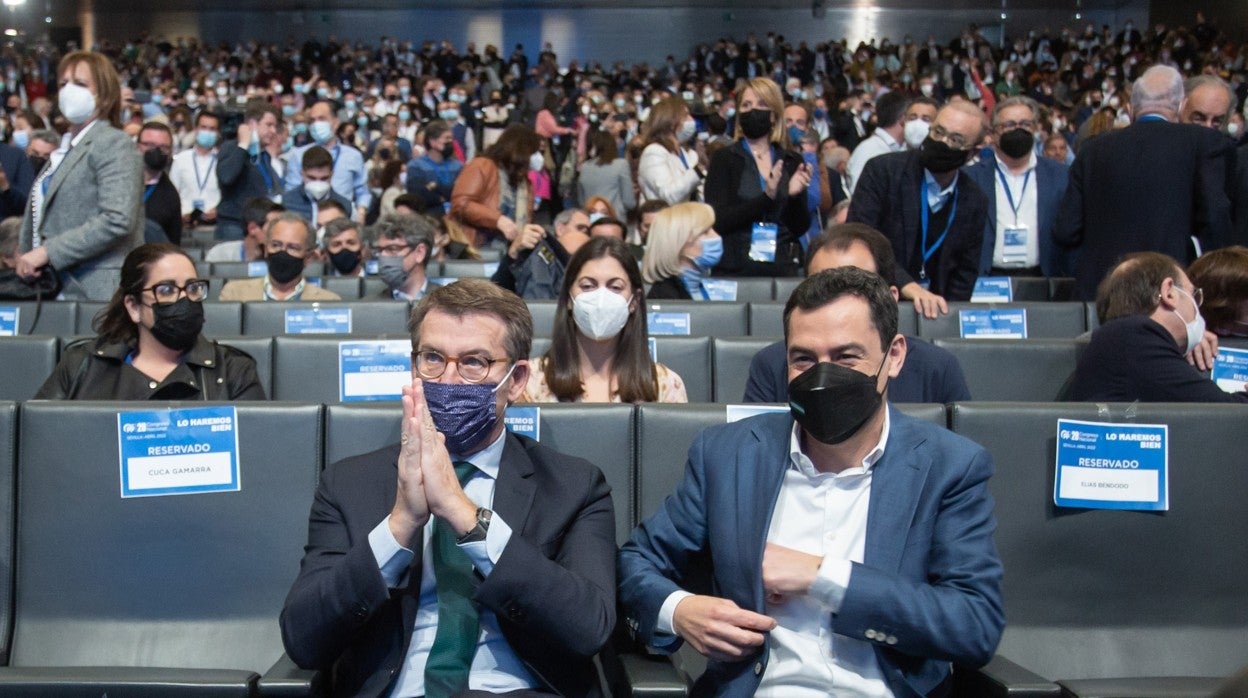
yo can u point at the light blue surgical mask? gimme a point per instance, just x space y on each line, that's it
712 252
205 138
321 132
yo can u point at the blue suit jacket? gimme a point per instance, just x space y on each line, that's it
930 579
1050 181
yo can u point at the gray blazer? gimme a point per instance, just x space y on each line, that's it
613 182
92 213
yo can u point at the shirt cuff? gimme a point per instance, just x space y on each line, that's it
831 582
667 612
392 559
484 553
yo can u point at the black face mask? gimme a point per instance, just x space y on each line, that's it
177 325
38 162
832 402
939 157
448 151
754 123
345 260
1017 143
155 160
284 267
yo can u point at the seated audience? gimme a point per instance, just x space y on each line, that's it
1151 331
344 247
257 213
289 244
682 249
536 259
316 188
1223 276
607 226
150 345
599 350
930 374
402 244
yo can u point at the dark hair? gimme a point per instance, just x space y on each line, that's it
651 206
410 201
257 209
608 220
113 323
923 100
604 146
390 173
890 108
512 150
331 203
1132 287
317 157
840 237
337 227
257 108
828 285
433 129
207 114
156 126
468 296
1223 276
636 378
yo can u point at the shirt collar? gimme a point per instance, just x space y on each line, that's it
802 462
1031 164
487 460
888 139
78 138
268 290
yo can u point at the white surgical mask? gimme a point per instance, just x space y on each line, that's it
76 103
1195 328
318 190
915 133
537 161
687 130
600 314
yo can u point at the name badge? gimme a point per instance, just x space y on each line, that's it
654 348
763 242
9 317
667 323
993 324
1230 369
489 269
992 289
720 289
370 267
1014 248
1112 466
524 421
316 320
373 369
257 269
197 205
168 452
925 283
736 413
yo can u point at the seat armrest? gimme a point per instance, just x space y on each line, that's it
136 682
1002 677
633 674
286 679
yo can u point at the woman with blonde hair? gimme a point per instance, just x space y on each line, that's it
680 251
669 170
758 189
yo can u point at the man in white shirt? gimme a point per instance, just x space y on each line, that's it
194 171
850 545
886 138
348 179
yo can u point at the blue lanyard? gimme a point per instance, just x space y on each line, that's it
201 183
1010 197
147 193
680 153
264 172
926 213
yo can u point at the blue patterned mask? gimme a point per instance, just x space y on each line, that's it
465 413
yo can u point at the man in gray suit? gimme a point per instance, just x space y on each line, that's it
86 206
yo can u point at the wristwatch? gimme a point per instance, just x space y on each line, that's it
477 533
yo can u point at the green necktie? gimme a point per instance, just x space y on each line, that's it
459 618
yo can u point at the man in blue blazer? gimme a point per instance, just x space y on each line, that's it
849 547
1024 195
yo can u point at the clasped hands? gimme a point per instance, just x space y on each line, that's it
721 630
427 484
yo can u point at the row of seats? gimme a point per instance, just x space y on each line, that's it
194 583
1044 320
306 368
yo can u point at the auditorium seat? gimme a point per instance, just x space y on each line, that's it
1105 601
161 595
751 289
543 313
1044 320
260 349
349 288
783 286
1029 289
378 317
1029 370
731 357
220 318
690 358
8 466
55 318
27 361
707 319
464 268
767 319
1062 289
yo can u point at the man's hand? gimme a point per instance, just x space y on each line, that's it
445 497
210 216
526 240
30 264
1202 356
928 304
718 628
411 510
787 572
4 181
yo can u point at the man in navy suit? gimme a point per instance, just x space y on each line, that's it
1024 195
463 557
16 176
850 546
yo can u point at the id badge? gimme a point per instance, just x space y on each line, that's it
1015 248
925 284
763 242
197 204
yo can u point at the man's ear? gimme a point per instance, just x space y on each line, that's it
519 381
422 253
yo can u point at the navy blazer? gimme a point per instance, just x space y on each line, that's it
21 176
553 588
1049 179
927 593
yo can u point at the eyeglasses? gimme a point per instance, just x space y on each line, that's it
1026 124
954 139
391 250
1198 296
196 290
275 246
473 368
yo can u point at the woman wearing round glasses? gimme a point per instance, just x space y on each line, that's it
149 345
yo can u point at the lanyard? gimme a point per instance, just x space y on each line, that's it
264 171
147 192
680 153
201 183
929 251
337 149
1010 197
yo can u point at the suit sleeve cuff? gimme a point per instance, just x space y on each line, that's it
485 553
831 582
667 612
392 559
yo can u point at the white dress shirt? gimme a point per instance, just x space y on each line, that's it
823 514
879 143
496 667
195 177
1022 188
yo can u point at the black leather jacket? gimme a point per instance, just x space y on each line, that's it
91 369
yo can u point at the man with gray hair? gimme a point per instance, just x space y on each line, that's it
402 244
1157 185
1209 103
